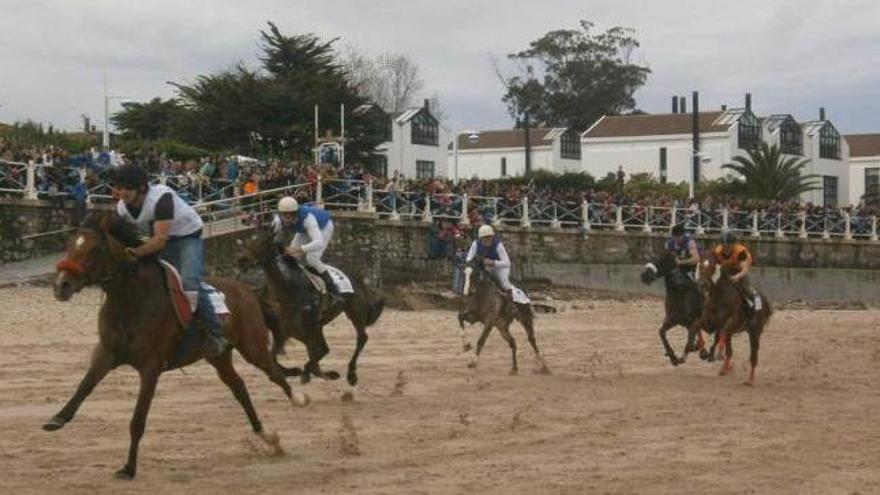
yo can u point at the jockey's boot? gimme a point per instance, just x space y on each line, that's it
331 287
214 343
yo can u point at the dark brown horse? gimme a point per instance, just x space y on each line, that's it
726 311
684 304
485 302
293 308
137 325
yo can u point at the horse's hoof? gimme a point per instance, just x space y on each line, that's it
352 379
704 354
710 358
749 383
472 365
514 371
126 473
300 399
725 371
467 347
331 375
347 396
544 370
55 423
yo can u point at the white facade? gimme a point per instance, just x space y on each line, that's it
403 156
864 159
502 154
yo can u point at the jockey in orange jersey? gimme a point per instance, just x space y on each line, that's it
735 257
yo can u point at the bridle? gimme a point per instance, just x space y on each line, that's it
77 269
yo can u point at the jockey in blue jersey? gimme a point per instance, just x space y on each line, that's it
313 229
491 250
684 248
175 235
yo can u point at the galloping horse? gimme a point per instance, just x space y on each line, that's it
294 308
725 310
684 303
137 325
487 303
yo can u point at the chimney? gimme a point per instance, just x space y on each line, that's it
749 101
723 108
695 128
674 104
822 114
427 104
682 104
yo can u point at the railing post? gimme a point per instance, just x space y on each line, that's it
395 216
618 222
673 217
82 180
201 193
779 233
371 206
847 228
755 231
725 219
30 189
427 216
524 221
825 233
555 223
465 219
802 234
647 223
496 220
163 179
700 229
874 228
585 215
319 193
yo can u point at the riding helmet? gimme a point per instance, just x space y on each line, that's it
130 176
288 204
728 237
485 231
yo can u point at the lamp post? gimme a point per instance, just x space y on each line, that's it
473 138
106 137
703 158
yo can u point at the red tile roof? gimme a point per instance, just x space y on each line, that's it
653 125
863 145
512 138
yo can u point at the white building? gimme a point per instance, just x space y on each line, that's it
494 154
864 165
415 143
662 145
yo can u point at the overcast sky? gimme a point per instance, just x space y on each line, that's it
793 56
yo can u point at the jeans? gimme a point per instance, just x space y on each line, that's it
186 255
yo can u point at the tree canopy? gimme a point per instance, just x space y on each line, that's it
768 175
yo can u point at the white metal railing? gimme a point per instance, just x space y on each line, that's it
217 200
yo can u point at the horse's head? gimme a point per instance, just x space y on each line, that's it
260 247
95 253
659 267
709 273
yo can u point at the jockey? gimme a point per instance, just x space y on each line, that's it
308 224
735 257
684 248
175 234
493 255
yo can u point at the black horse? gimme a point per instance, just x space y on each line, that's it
684 303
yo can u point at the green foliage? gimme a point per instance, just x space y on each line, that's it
168 147
153 120
31 134
582 75
768 175
645 186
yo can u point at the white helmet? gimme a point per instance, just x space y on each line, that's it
485 231
288 205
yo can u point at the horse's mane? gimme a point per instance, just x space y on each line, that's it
110 222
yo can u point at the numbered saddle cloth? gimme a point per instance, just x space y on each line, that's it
182 305
519 296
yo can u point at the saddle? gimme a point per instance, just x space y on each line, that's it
183 306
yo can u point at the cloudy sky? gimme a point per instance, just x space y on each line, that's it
794 56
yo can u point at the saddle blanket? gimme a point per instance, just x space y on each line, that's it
519 296
182 304
343 283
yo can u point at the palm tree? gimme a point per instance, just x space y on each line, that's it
771 176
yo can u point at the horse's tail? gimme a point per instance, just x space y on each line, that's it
273 321
375 302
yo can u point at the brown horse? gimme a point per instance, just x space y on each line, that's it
485 302
725 310
294 309
137 325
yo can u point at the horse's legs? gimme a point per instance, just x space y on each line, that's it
727 349
754 344
317 348
480 342
102 363
149 378
504 329
528 323
362 338
230 377
669 351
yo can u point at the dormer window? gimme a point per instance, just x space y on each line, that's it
829 142
749 128
570 144
424 129
791 138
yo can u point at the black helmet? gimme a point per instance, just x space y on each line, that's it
130 176
728 237
678 229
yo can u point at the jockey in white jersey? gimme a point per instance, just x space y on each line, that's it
175 235
313 229
491 250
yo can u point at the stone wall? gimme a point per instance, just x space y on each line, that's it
30 228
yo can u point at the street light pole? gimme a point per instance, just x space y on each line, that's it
106 136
